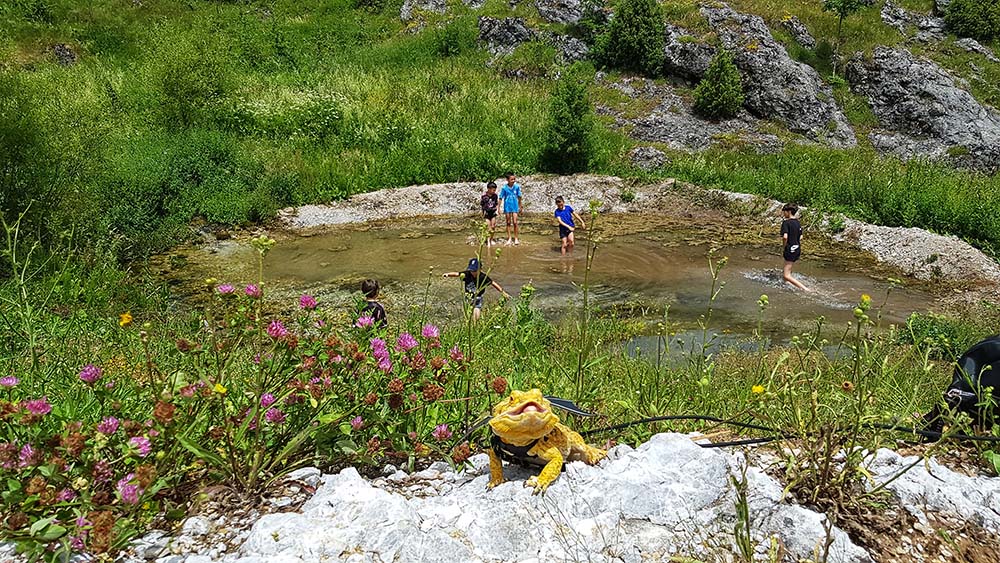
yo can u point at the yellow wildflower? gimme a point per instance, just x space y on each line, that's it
757 389
220 389
125 319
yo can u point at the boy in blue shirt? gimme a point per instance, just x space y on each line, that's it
510 196
564 214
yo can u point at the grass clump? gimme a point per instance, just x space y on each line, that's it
719 95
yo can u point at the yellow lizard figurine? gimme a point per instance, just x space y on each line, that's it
526 430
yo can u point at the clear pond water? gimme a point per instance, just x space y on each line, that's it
642 263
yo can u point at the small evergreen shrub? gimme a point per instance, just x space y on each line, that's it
568 137
974 18
634 40
720 92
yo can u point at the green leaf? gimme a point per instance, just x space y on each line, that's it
47 470
994 458
52 532
13 485
40 524
201 452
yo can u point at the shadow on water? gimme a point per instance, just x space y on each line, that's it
642 266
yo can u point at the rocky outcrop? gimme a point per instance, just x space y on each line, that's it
570 48
406 13
502 35
971 45
775 86
684 55
673 122
668 497
799 31
941 6
925 111
928 27
647 158
560 11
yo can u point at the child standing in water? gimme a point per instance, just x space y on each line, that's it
475 283
489 205
510 195
791 236
564 214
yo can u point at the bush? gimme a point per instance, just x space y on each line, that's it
720 92
634 40
974 18
192 79
568 144
456 37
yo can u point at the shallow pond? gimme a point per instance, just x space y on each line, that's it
643 263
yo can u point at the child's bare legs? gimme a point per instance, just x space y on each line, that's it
516 230
476 312
788 277
567 243
510 223
491 227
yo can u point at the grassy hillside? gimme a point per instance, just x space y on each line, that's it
227 111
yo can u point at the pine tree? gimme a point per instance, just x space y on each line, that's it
634 40
720 92
568 143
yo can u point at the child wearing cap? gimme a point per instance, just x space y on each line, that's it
476 282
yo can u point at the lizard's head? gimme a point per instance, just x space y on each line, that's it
522 417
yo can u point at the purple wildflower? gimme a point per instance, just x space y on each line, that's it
406 342
456 354
90 374
307 302
141 443
225 289
108 426
66 495
27 457
9 381
267 400
277 330
129 492
365 322
357 422
385 365
38 406
252 291
274 416
76 542
441 432
82 522
430 331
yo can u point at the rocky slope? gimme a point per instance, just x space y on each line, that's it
669 497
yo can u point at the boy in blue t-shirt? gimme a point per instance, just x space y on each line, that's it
564 214
510 196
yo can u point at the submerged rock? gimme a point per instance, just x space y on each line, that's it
776 86
684 54
926 113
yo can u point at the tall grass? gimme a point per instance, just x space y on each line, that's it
862 184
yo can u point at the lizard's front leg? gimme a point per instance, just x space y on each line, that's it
496 470
549 473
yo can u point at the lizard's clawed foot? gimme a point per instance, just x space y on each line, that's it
539 486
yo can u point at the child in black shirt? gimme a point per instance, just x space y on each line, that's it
372 307
791 236
489 203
